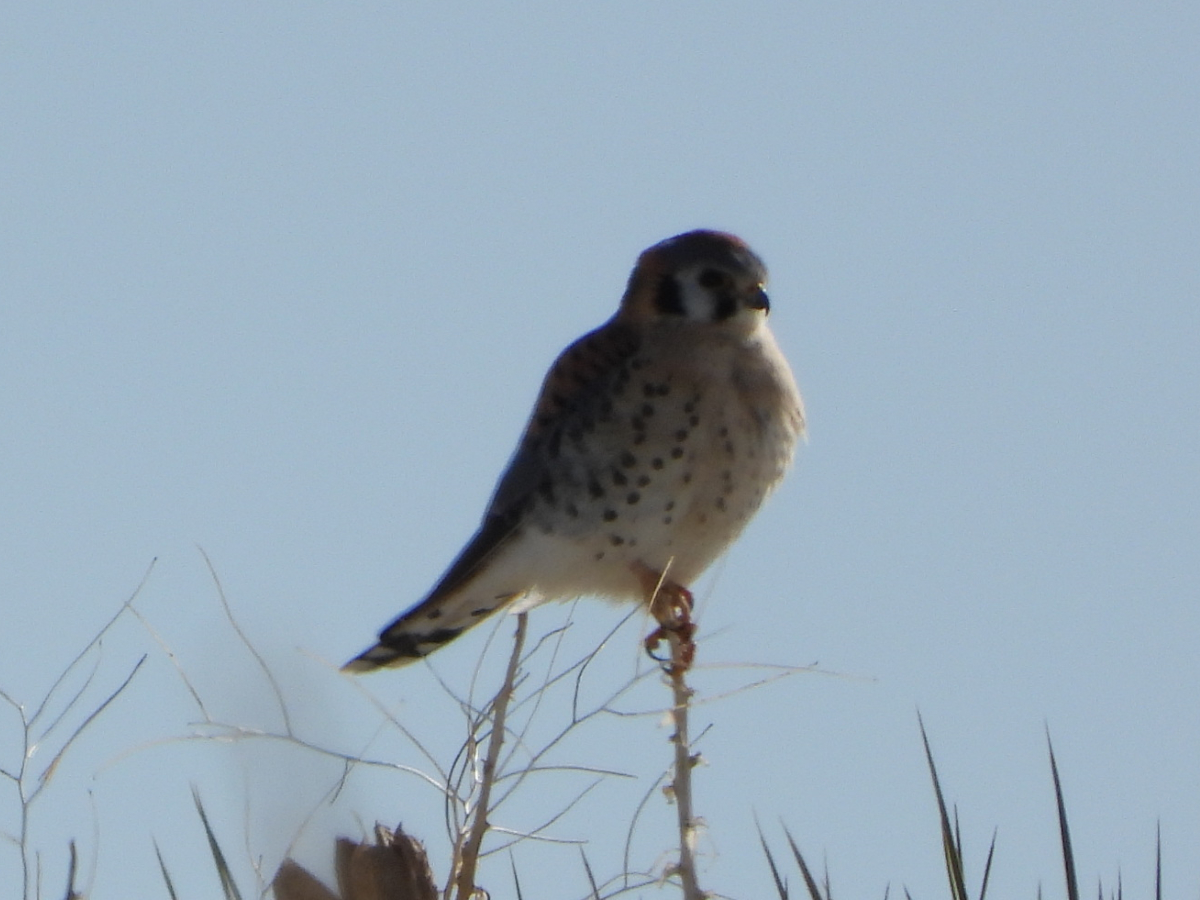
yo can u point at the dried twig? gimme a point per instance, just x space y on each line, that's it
468 854
685 761
40 727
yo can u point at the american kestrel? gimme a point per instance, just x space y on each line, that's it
653 442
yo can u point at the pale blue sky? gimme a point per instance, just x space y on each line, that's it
281 280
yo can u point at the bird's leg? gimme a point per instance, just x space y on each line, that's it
671 605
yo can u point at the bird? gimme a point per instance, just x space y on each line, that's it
654 440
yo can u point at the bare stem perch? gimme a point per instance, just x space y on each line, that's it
681 783
468 860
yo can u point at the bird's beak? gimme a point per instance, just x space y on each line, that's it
759 300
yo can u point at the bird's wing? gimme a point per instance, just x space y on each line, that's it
462 595
580 373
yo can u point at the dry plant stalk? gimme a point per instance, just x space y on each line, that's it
47 725
685 761
468 856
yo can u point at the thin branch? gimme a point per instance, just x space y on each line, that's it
238 733
391 718
99 636
237 628
172 657
637 815
49 770
68 706
465 879
535 833
585 770
554 741
681 783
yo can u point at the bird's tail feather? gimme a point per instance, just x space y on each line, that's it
426 627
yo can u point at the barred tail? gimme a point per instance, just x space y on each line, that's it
424 628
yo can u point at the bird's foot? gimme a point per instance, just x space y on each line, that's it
671 605
683 647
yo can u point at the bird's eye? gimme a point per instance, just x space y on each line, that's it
714 278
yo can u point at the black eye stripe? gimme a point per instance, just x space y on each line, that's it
713 278
668 299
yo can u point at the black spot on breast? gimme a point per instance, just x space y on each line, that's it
616 540
643 480
676 452
609 515
694 421
594 488
633 497
647 410
572 510
681 434
434 614
546 490
618 478
668 297
656 463
628 460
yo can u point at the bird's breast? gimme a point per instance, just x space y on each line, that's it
666 461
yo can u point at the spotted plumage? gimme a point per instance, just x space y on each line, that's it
653 442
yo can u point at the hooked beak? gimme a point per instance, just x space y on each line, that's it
759 300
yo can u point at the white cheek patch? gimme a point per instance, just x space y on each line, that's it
698 302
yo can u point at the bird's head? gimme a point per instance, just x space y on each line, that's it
698 277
